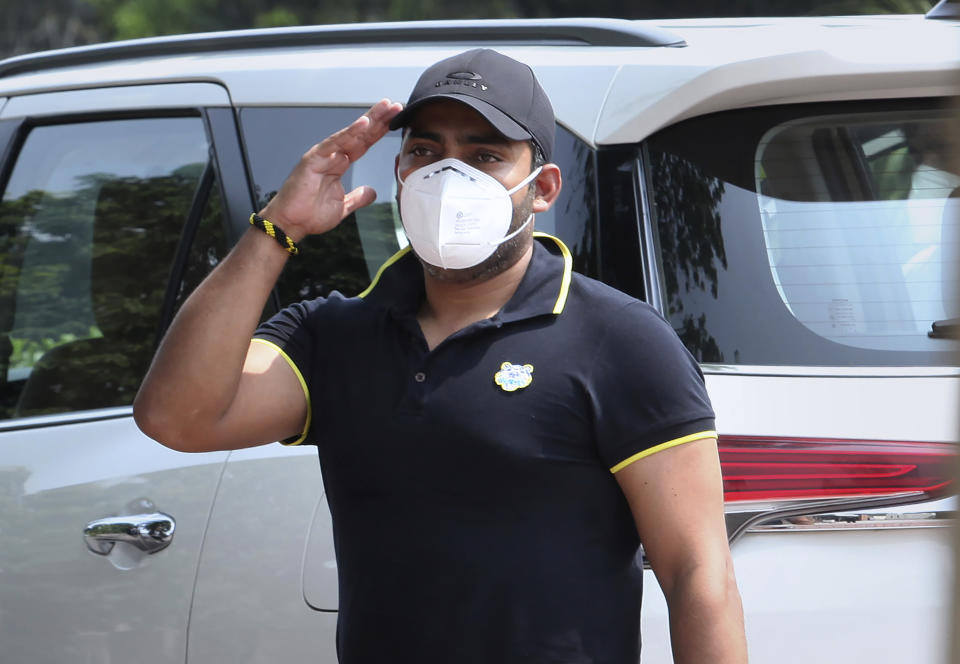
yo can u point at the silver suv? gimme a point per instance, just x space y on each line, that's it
781 190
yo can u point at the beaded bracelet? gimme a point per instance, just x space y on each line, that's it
275 232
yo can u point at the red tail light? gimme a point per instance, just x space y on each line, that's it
761 468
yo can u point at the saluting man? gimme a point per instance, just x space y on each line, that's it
497 434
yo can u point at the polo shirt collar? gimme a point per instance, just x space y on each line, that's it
398 284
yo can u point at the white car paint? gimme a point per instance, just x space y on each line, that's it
60 602
832 597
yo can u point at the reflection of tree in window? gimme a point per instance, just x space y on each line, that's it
335 260
13 243
691 243
136 228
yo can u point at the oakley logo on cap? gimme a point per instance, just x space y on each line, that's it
467 78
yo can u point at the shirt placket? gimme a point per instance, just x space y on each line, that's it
423 364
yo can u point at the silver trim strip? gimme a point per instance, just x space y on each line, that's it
839 514
66 418
838 372
648 239
858 521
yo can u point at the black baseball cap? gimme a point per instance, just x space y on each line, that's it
501 89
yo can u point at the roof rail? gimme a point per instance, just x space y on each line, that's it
945 10
587 31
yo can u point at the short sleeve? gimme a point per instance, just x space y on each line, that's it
290 333
647 390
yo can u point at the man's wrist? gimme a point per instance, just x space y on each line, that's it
274 231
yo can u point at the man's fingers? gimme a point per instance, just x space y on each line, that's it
335 164
341 140
382 113
354 139
360 197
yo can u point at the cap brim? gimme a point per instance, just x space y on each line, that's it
500 120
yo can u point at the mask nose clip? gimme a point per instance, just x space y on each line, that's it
527 180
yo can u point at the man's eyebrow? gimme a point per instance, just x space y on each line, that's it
422 133
493 138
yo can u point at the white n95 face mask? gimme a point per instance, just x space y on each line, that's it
456 216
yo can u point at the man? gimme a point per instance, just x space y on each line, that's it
496 434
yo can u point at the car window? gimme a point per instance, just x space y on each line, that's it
347 258
91 219
809 236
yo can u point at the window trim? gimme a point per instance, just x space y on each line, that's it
173 96
191 225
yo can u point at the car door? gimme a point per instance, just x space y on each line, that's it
104 193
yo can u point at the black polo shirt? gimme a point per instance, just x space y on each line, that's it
475 512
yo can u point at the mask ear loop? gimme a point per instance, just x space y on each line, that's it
514 234
527 180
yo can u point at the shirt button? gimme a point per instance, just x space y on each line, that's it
420 377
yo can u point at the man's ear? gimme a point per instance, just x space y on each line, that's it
548 183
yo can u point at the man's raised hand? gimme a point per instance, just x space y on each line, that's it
312 200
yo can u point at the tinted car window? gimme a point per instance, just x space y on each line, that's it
347 258
822 235
89 225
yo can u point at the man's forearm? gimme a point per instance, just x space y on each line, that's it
197 368
706 618
197 396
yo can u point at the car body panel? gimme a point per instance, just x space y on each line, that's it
60 602
852 407
249 603
833 596
739 63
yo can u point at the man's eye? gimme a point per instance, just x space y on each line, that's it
419 151
487 158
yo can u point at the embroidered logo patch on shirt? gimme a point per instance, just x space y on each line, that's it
513 377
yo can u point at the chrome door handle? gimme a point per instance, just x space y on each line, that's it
148 532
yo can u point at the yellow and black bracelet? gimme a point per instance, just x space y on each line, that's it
275 232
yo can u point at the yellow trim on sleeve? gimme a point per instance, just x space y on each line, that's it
303 386
663 446
390 261
567 271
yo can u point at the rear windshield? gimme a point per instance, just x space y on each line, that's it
819 235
